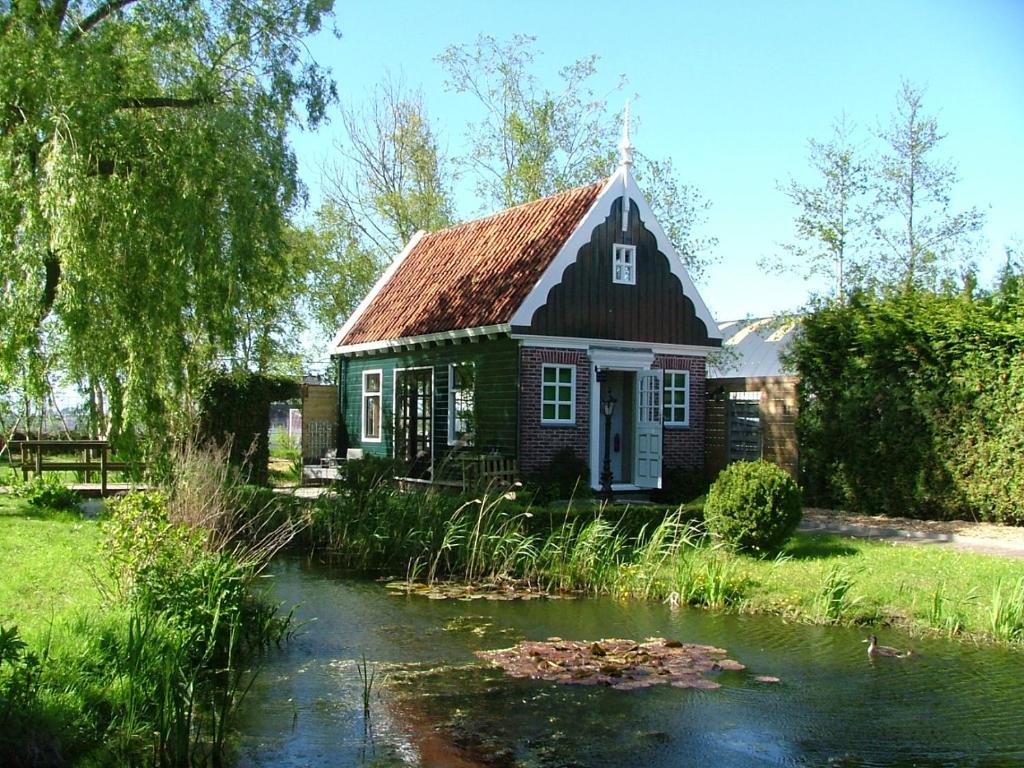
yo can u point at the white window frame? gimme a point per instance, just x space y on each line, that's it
559 385
365 396
668 398
624 264
452 436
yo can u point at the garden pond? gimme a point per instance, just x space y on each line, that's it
434 702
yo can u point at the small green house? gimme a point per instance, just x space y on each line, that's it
512 335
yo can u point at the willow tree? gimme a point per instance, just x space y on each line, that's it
145 181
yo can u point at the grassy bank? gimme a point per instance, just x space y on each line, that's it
659 553
829 579
131 641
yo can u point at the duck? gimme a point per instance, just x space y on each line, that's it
874 649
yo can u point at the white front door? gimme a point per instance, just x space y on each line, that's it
648 429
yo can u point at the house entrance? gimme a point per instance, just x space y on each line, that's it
413 408
635 435
620 385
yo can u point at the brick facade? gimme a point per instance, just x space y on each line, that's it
538 442
684 446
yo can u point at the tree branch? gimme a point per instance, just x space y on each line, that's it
57 14
164 102
95 18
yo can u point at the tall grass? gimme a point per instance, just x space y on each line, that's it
155 676
1006 620
492 537
833 601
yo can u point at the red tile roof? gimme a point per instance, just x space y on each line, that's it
474 274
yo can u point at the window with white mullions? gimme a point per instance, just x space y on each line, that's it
624 264
558 394
461 419
677 398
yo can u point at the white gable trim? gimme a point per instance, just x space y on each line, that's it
427 339
335 346
621 184
573 342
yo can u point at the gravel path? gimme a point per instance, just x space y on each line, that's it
987 538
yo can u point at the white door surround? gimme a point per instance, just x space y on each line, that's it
614 359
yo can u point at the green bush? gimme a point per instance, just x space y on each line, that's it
565 476
910 403
682 484
49 492
753 507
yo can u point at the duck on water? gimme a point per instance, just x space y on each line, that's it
875 650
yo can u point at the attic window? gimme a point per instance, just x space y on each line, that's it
624 264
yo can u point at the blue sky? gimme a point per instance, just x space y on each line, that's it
731 91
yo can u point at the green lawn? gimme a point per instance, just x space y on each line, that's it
48 561
924 586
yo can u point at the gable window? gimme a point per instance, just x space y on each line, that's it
677 398
461 419
371 406
558 394
624 264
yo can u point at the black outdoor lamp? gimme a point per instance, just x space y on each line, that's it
608 407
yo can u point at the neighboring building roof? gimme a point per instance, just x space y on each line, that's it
472 275
753 347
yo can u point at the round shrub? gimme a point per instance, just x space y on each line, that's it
753 507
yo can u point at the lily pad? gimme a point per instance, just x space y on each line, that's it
619 664
450 590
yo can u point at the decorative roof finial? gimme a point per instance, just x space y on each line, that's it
625 146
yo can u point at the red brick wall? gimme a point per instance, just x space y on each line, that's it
684 446
538 443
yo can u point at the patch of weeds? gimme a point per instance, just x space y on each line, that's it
833 603
48 492
946 614
1006 618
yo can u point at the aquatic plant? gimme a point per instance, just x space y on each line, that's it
833 600
708 578
947 615
367 676
1006 618
618 664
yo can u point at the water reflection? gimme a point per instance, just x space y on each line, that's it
950 705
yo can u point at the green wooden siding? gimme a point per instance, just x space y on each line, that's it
496 367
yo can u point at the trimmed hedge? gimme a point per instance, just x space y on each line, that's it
237 407
753 507
913 404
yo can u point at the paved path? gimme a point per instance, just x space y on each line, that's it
986 539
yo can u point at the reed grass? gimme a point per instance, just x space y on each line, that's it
154 672
834 601
1007 611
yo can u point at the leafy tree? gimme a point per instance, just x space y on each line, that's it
393 180
533 141
830 222
145 180
341 269
917 233
681 210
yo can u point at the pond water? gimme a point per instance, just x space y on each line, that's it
435 704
